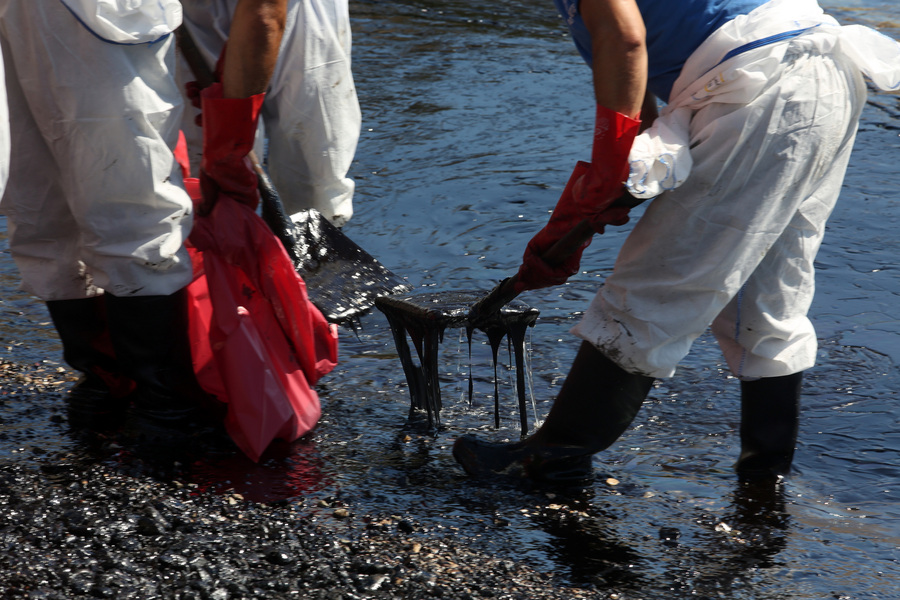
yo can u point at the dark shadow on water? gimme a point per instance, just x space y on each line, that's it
593 548
585 540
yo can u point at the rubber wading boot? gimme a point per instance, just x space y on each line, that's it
97 400
150 337
770 415
596 404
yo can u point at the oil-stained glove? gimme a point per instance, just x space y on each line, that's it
535 272
192 89
604 181
229 130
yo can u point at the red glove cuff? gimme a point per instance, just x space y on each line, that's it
229 131
614 134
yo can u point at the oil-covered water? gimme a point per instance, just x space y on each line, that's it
474 115
424 317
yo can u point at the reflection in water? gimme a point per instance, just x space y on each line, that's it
284 472
598 550
753 531
586 540
759 514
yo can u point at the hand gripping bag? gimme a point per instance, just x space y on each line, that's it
258 343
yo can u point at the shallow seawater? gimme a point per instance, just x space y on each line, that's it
473 117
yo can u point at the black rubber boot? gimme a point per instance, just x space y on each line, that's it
97 400
150 337
596 404
770 414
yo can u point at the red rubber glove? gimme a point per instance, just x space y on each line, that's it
614 134
535 273
229 130
192 90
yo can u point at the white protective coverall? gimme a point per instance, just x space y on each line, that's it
769 133
95 199
311 114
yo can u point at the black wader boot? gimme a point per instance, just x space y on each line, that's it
97 401
150 337
770 413
596 404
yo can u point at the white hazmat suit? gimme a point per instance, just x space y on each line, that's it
95 199
751 152
310 118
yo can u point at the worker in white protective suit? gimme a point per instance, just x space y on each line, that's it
745 162
310 118
96 209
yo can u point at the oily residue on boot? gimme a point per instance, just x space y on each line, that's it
423 318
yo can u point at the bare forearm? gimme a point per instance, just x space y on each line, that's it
253 43
618 47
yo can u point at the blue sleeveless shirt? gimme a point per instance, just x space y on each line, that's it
675 28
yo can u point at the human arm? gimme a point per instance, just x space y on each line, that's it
257 27
231 107
619 53
619 66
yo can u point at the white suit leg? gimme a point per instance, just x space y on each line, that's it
312 114
310 117
95 196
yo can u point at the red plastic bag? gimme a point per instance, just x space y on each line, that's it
258 343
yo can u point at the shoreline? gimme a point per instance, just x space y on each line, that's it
119 525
